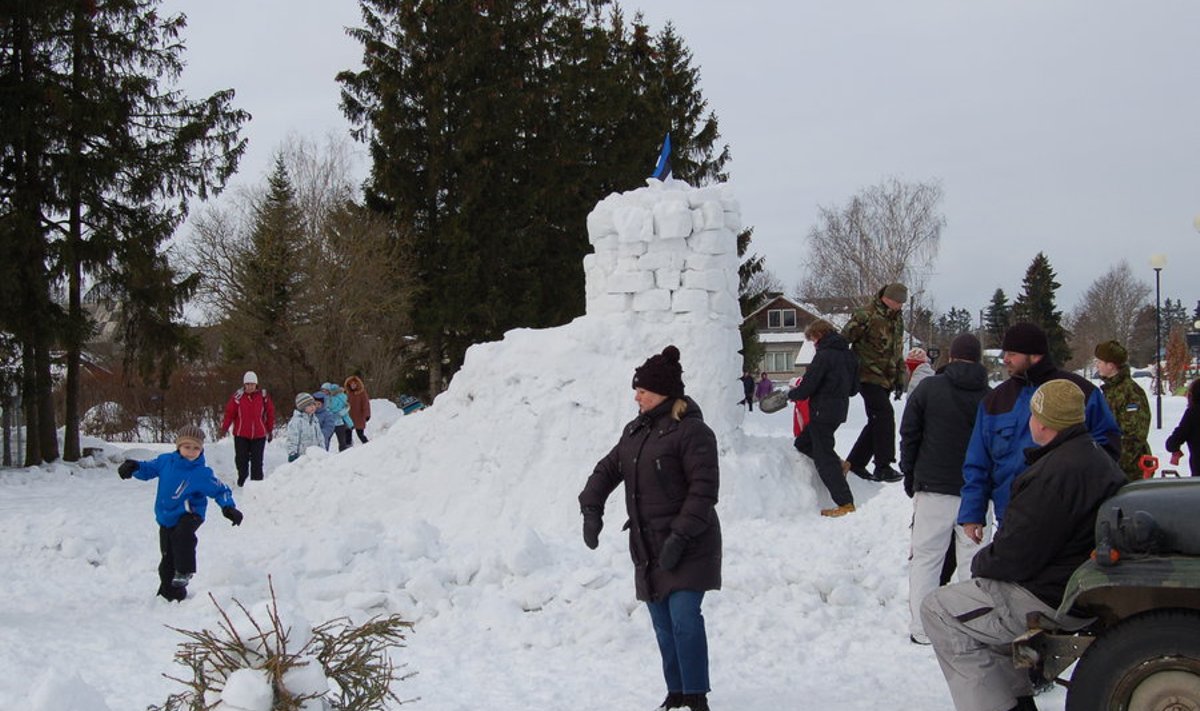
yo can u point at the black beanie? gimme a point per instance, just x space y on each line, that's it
1027 338
965 346
661 374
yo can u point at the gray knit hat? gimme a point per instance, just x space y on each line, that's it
303 400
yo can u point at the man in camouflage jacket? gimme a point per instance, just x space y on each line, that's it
876 335
1128 403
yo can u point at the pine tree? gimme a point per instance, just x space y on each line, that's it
1036 305
996 319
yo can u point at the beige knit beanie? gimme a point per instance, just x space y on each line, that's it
190 433
1058 404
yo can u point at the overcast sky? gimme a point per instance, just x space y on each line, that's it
1069 127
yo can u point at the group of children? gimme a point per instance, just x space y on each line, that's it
186 483
332 411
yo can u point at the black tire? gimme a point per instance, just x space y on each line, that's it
1146 663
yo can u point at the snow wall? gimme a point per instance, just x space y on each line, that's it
487 477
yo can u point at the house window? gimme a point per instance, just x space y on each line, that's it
781 318
779 361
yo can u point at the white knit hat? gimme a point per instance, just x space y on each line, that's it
250 377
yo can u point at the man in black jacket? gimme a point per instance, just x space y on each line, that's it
934 431
828 383
1047 534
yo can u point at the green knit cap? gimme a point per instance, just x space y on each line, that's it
1112 352
1058 404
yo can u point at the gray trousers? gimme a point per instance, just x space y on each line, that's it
972 625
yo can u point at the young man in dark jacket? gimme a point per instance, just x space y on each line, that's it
934 432
828 383
876 335
1047 534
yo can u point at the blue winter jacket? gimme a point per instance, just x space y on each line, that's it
996 452
339 404
183 486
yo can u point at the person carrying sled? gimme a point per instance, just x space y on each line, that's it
667 460
185 484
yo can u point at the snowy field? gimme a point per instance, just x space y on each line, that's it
433 521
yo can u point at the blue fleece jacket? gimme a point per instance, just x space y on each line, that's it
183 486
996 451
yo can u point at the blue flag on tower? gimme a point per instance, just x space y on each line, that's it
662 170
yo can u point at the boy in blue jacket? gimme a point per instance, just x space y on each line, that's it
185 484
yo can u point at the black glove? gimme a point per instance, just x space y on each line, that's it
672 551
593 521
909 484
127 468
898 391
231 513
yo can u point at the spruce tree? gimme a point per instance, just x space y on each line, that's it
1036 305
494 128
996 319
117 155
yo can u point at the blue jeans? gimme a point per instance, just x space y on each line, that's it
679 627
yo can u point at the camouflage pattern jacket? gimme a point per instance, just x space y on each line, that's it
876 335
1131 407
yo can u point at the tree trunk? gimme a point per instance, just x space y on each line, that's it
47 430
33 451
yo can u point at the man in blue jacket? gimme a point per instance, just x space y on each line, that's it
996 452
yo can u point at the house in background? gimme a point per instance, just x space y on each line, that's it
780 324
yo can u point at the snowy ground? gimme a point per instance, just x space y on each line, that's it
512 612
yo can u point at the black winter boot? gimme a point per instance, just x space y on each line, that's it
673 701
1024 703
695 702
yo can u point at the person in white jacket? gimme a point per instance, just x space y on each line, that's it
304 429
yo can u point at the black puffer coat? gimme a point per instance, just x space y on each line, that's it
936 427
669 468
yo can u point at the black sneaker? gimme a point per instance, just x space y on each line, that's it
885 473
861 472
673 700
695 702
180 580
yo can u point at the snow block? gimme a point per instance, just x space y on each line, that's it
634 224
662 260
600 221
630 282
713 242
672 219
690 300
652 300
708 280
667 279
607 304
631 249
677 245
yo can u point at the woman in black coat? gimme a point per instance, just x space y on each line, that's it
828 383
667 460
1188 431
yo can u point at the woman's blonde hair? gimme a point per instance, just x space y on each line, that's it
678 409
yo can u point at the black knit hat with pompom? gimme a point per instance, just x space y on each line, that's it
661 374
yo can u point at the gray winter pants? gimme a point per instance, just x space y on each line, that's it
972 626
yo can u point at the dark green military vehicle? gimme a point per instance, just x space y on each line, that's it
1141 649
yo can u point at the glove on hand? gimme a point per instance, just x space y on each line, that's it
909 484
593 522
1175 457
898 391
293 457
127 468
672 551
231 513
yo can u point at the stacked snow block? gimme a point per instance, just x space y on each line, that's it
666 252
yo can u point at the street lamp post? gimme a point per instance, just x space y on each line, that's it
1157 262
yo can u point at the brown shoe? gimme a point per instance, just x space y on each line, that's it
838 511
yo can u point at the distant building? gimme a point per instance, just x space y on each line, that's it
780 324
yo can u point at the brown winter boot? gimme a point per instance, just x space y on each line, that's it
838 511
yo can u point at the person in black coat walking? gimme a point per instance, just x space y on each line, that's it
667 460
1188 431
934 432
829 382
